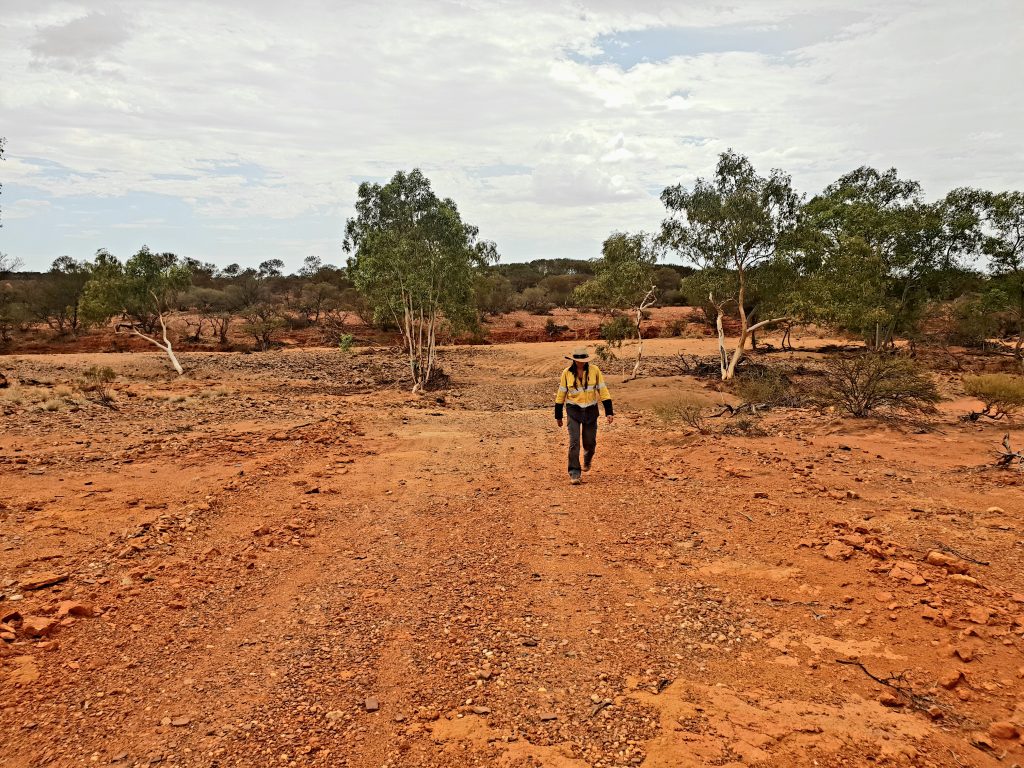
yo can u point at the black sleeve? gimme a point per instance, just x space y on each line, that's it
558 411
608 407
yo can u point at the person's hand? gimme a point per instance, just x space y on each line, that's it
611 419
558 422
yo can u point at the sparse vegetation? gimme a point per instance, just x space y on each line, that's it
1000 393
95 384
688 410
865 384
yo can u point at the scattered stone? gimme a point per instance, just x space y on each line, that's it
949 562
960 578
979 615
836 550
888 699
43 579
547 717
481 710
38 626
950 678
1003 729
371 704
181 721
75 608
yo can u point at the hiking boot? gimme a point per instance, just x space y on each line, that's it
574 478
586 466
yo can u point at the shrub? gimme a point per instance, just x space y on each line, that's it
745 426
862 385
95 384
675 329
345 342
689 410
765 386
1002 393
618 330
553 329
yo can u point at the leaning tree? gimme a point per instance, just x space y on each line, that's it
414 260
141 291
732 223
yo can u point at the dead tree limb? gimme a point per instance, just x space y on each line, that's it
1007 455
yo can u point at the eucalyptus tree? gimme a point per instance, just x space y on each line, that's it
414 260
1003 244
141 291
624 278
731 225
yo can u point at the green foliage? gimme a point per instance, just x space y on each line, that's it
1003 244
876 382
141 289
414 259
871 252
618 330
765 386
345 342
733 222
624 277
264 322
1001 393
493 294
685 409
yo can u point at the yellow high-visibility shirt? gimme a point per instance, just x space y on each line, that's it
583 391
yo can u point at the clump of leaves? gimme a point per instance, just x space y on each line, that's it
875 382
618 330
345 342
688 410
1001 393
553 329
95 384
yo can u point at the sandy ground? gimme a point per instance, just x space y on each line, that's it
285 559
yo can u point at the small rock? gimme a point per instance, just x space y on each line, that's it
959 578
1003 729
547 717
43 579
950 563
180 721
979 615
836 550
481 710
888 699
38 626
371 704
950 678
75 608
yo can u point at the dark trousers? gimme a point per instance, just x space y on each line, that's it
588 431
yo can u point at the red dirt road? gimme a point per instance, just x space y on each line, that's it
290 565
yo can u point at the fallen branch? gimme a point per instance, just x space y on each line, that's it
1007 455
948 549
898 684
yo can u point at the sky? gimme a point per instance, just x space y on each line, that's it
239 131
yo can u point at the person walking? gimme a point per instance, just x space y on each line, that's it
579 390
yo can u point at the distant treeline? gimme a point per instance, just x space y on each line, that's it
868 256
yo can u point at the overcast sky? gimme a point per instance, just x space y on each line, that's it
239 131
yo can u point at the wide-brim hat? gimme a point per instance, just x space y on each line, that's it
580 355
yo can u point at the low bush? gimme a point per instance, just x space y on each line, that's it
865 384
766 386
1001 393
95 384
345 342
689 410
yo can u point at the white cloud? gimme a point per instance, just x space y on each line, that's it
274 112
